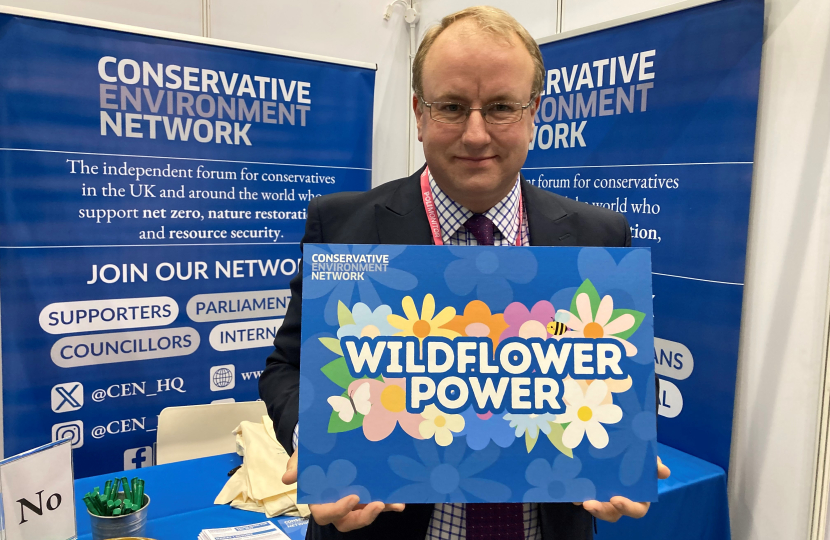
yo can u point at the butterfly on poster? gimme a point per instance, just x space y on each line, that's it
357 401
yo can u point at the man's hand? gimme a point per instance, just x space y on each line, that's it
345 514
620 506
290 475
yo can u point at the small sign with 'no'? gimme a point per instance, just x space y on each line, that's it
38 494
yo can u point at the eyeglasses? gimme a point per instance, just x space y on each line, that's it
493 113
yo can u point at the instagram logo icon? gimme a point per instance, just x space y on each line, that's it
69 430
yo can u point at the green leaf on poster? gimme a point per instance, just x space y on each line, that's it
555 437
338 372
588 288
344 316
332 344
530 442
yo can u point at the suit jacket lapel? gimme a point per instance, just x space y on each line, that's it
403 220
549 223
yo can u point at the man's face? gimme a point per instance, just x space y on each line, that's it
475 163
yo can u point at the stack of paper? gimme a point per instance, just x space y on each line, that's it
258 531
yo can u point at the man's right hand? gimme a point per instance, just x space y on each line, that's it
346 514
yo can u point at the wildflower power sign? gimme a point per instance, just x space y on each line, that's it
476 374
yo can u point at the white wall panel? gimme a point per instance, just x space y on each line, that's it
538 16
581 13
182 16
786 281
342 29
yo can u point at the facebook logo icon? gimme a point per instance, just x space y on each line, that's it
136 458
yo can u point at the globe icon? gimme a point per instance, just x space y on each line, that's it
222 377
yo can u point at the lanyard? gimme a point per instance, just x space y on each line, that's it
432 213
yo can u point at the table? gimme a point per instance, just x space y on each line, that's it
181 500
692 505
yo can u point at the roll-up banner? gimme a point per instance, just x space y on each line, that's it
154 194
656 119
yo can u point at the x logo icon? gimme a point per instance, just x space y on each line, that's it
67 397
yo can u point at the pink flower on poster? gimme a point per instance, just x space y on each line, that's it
528 324
388 400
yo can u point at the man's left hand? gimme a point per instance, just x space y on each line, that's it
620 506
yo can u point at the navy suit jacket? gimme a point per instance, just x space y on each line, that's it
393 213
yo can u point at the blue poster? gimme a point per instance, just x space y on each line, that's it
656 119
154 194
477 374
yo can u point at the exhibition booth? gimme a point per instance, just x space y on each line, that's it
156 190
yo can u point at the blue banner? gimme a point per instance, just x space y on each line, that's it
154 193
656 119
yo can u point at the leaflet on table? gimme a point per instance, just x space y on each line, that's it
294 527
470 374
257 531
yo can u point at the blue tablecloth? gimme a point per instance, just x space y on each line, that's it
181 500
692 503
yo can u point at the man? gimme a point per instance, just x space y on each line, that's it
477 79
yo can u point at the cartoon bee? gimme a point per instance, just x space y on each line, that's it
556 328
